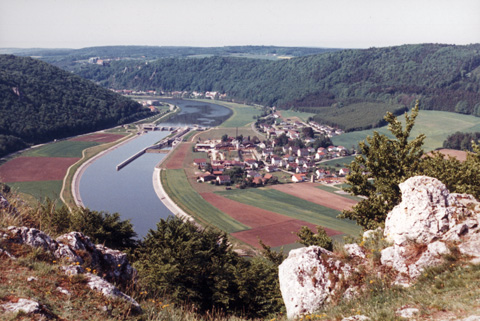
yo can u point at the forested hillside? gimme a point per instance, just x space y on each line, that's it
443 77
66 58
40 102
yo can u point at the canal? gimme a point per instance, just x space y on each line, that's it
129 191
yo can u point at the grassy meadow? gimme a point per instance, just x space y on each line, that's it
39 190
348 116
296 114
242 114
217 133
436 125
282 203
176 185
65 148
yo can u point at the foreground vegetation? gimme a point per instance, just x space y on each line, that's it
191 274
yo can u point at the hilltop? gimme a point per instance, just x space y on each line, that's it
362 82
40 102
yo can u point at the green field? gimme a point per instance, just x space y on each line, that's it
358 115
291 113
40 189
217 133
282 203
242 114
65 148
181 192
343 162
436 125
336 188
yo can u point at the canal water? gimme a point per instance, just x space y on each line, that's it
129 191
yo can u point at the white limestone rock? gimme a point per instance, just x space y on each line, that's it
354 250
423 214
357 318
25 305
96 283
309 277
424 222
32 237
407 313
471 247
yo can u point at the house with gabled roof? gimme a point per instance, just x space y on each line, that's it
200 162
302 152
223 179
271 168
292 166
298 178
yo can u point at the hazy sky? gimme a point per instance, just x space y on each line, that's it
314 23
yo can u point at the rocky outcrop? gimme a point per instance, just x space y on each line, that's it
309 278
113 265
427 225
77 249
24 305
427 222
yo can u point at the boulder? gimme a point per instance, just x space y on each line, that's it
25 305
309 277
427 221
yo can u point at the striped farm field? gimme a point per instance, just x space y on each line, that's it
176 185
311 193
98 138
65 148
272 228
294 207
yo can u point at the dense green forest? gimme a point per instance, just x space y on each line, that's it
461 141
40 102
66 58
443 77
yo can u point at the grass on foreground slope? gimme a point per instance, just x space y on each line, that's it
283 203
436 125
176 185
82 303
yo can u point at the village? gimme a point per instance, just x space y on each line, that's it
293 151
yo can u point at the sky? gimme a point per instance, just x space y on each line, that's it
211 23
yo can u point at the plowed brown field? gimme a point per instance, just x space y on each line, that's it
272 228
176 160
309 192
278 234
28 169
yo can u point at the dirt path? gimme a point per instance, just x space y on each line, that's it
309 192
